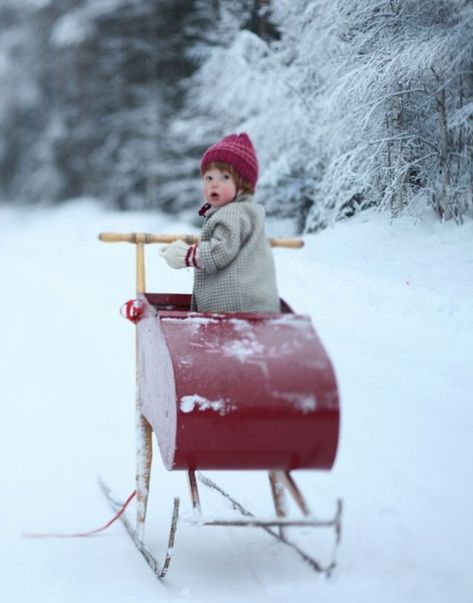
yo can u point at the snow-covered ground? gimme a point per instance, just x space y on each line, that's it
393 304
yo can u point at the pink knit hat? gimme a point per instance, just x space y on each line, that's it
238 151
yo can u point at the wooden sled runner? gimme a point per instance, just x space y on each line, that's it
229 391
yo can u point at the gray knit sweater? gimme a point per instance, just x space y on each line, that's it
238 272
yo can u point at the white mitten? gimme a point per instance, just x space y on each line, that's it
175 254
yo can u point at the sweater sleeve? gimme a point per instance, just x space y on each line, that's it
228 234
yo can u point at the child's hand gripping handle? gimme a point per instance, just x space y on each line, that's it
147 238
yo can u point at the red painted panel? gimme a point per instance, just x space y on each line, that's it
236 391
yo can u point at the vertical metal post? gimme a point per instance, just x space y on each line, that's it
291 485
194 490
144 443
279 498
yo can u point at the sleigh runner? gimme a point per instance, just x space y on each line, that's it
233 391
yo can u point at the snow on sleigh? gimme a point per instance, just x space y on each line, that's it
229 391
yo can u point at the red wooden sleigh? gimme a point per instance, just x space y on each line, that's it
230 391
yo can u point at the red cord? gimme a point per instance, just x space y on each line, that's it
91 532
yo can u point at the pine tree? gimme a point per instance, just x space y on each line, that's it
354 104
106 75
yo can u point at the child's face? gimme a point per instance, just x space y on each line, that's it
219 187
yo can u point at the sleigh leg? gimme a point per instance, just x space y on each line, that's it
144 442
292 487
194 491
279 498
144 457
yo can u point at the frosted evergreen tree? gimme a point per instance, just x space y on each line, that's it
214 92
351 103
359 103
107 91
401 78
21 101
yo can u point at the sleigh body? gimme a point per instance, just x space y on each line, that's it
236 391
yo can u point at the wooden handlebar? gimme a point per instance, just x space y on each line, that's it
287 243
145 238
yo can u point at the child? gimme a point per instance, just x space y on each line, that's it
234 267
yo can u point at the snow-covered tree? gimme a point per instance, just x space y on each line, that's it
211 107
107 91
357 103
20 91
351 103
390 135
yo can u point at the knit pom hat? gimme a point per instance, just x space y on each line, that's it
238 151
